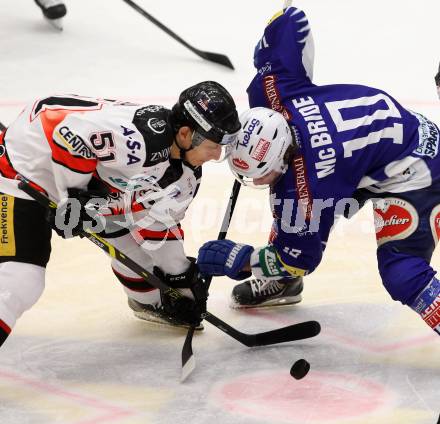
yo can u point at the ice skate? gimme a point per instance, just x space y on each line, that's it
156 314
257 293
53 11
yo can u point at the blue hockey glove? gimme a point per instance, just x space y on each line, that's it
224 257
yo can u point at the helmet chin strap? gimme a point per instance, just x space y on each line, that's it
182 153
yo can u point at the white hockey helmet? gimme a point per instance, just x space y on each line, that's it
265 144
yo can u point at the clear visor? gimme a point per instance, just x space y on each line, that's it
227 143
229 139
226 140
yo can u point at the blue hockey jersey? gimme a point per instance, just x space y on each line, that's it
350 136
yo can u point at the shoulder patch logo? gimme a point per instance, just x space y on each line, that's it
157 125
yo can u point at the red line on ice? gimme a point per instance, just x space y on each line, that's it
112 412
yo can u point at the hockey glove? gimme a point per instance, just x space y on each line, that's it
185 309
75 215
224 257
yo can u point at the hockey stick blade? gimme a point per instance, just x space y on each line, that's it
300 331
291 333
212 57
221 59
188 359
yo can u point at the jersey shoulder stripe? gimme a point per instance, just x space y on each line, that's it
49 120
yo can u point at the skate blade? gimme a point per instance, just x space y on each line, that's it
156 320
55 23
285 301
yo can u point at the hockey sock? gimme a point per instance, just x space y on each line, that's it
427 304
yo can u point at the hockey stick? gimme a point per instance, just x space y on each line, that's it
300 331
188 359
212 57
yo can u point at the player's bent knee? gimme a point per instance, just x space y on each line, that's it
17 295
404 276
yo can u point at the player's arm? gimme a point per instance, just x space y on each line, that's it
286 51
287 255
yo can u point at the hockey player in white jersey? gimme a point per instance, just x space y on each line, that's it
142 161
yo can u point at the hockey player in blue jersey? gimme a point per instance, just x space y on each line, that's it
324 151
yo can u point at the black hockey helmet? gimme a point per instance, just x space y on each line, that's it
210 110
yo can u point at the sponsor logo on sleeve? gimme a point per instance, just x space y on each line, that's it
304 196
428 138
73 142
394 219
273 96
267 67
434 221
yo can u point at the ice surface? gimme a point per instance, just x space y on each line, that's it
79 357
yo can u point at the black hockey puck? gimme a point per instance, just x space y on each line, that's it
299 369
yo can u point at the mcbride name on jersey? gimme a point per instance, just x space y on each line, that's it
351 136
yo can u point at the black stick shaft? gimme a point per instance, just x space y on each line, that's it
229 210
188 361
213 57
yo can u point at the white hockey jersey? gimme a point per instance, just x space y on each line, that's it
62 141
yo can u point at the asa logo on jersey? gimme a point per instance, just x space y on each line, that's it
248 132
133 145
394 219
240 164
261 150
